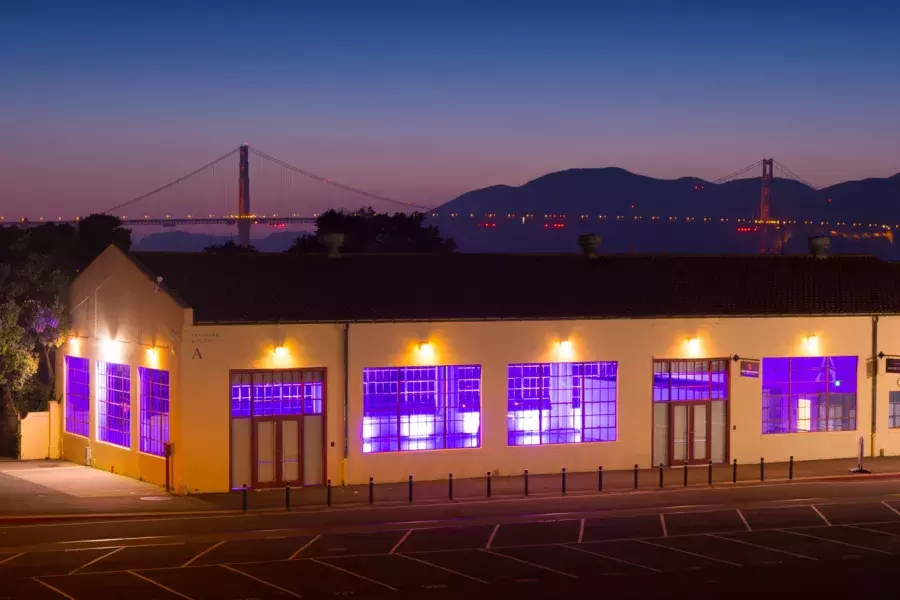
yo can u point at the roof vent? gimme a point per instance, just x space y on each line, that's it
819 246
332 242
589 243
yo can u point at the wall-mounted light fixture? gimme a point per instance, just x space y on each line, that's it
426 351
692 347
565 351
812 344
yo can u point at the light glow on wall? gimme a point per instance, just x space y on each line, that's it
565 352
692 347
111 351
152 357
812 345
426 352
75 346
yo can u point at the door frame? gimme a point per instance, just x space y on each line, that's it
690 406
279 451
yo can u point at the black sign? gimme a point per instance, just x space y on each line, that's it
892 365
749 368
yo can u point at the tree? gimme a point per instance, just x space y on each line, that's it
95 233
368 232
230 247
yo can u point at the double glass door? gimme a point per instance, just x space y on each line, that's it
277 451
689 432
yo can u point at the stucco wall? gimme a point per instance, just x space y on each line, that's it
118 316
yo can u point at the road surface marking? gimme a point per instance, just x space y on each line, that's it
262 581
581 531
736 541
98 559
815 537
400 543
897 512
744 519
208 550
57 590
531 564
343 570
11 558
159 585
431 564
818 512
304 547
727 562
861 528
662 521
613 558
493 535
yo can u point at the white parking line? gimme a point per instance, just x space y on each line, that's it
662 521
206 551
744 519
727 562
493 535
815 537
819 512
612 558
891 507
581 531
343 570
736 541
57 590
400 543
531 564
861 528
262 581
304 547
12 557
159 585
431 564
98 559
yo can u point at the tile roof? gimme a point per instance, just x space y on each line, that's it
285 287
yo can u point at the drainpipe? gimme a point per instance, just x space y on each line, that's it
874 384
346 403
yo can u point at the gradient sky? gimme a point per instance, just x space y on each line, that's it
102 101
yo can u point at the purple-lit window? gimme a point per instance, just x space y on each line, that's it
274 393
78 395
809 394
561 403
894 408
421 408
690 380
114 403
154 410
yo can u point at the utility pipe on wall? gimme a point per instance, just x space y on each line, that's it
874 385
346 403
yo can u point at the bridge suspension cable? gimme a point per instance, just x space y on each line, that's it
739 173
171 183
335 183
794 176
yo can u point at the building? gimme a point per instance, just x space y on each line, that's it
262 369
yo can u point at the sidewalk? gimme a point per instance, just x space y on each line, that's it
25 501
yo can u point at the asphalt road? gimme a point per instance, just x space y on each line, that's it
779 540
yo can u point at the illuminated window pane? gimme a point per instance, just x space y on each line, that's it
78 395
114 403
421 408
809 394
561 403
277 393
689 380
154 410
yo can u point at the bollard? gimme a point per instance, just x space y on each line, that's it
328 494
526 482
734 471
410 489
287 496
635 477
450 486
685 474
600 478
791 469
371 490
488 481
244 498
762 468
660 475
709 475
564 481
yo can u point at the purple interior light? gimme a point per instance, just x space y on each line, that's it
559 403
276 393
690 380
154 410
114 403
894 410
807 394
78 395
421 408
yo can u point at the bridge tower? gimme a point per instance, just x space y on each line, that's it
244 213
765 203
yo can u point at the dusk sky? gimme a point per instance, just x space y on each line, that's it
422 101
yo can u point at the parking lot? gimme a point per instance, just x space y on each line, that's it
454 560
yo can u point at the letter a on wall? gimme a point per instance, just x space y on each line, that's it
196 354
